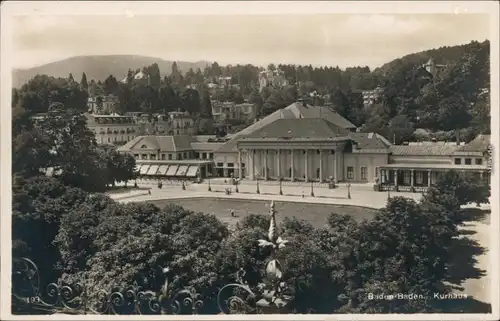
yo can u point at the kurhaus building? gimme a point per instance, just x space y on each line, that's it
311 143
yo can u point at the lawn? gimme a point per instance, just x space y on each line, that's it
316 214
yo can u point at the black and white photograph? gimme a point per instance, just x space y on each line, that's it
326 159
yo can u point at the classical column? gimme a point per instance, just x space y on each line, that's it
481 175
253 163
412 179
335 176
239 164
395 177
306 166
265 164
292 176
321 166
279 163
382 176
429 178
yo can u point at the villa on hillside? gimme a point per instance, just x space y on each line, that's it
311 143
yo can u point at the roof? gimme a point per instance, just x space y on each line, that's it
206 146
295 111
370 141
478 144
295 128
163 143
435 166
436 149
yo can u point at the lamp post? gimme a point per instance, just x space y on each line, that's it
236 183
349 190
258 191
312 189
281 189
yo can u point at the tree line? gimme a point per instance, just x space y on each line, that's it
453 104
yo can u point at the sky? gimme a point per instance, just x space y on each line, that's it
318 39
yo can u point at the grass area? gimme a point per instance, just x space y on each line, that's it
316 214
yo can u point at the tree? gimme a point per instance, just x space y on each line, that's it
110 86
465 188
206 105
83 82
454 115
190 101
401 128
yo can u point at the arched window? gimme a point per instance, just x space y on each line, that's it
144 146
317 173
290 172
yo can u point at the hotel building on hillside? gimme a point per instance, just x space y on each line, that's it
224 111
102 104
112 129
311 143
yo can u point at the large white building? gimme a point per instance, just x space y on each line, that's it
312 143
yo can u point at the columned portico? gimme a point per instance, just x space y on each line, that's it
292 168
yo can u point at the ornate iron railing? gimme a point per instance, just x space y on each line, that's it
30 297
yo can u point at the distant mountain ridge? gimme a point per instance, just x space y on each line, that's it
99 67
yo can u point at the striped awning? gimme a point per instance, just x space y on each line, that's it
144 169
182 170
171 170
162 170
192 171
152 170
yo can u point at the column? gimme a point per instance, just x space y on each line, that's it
481 175
382 176
395 177
412 177
321 166
429 178
265 164
335 176
253 163
306 166
239 164
279 163
292 164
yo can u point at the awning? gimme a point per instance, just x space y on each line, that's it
152 170
192 171
182 170
162 170
171 170
144 169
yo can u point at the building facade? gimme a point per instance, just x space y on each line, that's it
370 97
307 143
112 129
275 78
102 104
227 111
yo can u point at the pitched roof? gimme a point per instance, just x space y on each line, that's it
370 141
295 128
435 149
163 143
478 144
295 111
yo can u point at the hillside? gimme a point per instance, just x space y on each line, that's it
99 67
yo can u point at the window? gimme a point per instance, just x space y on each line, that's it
197 155
220 164
242 165
184 155
144 146
177 132
479 161
317 173
179 156
152 156
318 152
169 156
468 161
419 178
144 156
211 155
109 139
333 152
406 177
136 156
350 172
364 173
458 161
230 164
163 157
203 155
